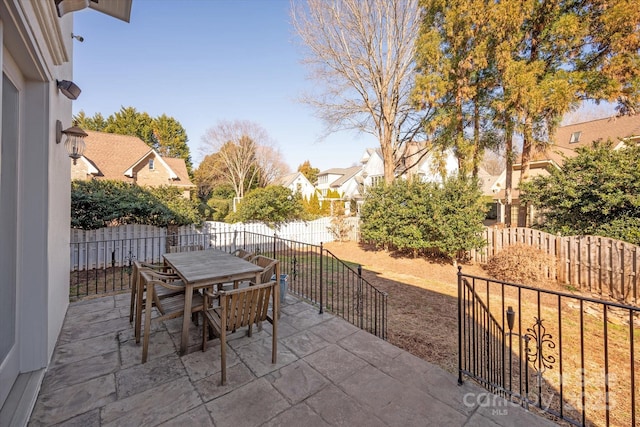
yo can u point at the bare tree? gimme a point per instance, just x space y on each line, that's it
271 165
360 54
238 145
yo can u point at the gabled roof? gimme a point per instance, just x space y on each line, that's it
613 128
333 171
585 133
287 180
346 173
114 156
179 167
370 152
144 159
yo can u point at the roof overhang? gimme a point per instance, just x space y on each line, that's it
91 169
120 9
129 172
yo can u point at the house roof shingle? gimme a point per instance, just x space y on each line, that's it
180 168
611 128
346 173
113 154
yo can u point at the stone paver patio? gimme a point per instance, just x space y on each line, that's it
329 373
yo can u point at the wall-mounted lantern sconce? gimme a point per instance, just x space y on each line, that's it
69 89
75 140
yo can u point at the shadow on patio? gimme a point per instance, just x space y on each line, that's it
328 373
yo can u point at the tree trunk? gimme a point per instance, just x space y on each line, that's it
476 138
509 171
527 148
386 146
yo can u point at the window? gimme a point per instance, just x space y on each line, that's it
376 180
151 165
575 137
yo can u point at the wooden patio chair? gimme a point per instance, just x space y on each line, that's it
243 253
138 294
168 308
270 267
239 308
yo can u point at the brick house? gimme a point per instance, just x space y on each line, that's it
127 158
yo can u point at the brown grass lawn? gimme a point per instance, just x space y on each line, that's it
422 319
422 304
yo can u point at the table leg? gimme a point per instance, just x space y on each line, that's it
186 318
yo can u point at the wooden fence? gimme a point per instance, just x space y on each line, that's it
600 265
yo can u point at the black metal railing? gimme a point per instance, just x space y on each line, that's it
571 356
310 271
318 276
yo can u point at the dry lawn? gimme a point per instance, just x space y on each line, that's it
422 304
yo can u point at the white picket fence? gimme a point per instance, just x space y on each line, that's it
116 246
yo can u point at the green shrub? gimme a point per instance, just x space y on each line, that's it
102 203
273 205
419 217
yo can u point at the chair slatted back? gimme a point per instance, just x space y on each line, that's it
245 306
270 267
243 253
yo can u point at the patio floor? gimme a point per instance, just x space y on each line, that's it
329 373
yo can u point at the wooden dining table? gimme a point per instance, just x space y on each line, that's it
207 268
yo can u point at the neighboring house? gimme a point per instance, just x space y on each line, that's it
127 158
342 180
351 183
347 182
372 168
297 183
430 167
35 194
620 130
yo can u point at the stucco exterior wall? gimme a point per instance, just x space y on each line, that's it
36 52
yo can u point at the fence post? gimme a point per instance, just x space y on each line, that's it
321 276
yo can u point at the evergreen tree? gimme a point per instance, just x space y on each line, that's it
309 172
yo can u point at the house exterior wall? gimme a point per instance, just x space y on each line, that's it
36 53
373 170
303 186
349 189
80 171
156 177
429 167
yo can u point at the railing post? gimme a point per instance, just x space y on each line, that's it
460 381
275 236
359 298
321 276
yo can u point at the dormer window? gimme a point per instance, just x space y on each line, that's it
151 165
575 137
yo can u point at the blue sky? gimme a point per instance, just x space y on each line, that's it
201 61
